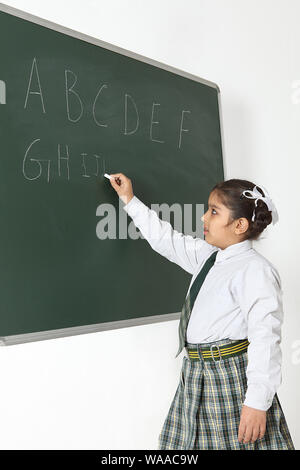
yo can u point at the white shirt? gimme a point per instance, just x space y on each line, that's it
241 297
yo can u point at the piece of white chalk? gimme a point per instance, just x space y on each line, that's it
107 176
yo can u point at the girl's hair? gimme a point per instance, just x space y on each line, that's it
230 194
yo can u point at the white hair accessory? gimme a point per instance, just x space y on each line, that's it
256 194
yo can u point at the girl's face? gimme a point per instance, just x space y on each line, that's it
219 230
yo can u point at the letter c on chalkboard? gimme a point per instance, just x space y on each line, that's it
2 92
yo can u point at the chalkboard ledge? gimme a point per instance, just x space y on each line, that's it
79 330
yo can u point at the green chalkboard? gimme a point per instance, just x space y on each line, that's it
73 107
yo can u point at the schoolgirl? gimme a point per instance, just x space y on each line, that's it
230 324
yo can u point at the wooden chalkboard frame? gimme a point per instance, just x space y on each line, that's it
64 332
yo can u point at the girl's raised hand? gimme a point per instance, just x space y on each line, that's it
122 185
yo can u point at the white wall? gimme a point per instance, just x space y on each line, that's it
112 390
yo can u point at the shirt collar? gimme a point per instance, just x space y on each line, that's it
233 250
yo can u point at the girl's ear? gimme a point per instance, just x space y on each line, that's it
242 225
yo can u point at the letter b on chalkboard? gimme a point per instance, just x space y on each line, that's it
2 92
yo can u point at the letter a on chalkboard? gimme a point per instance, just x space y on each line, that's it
2 92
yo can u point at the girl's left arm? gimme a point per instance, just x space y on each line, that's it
259 293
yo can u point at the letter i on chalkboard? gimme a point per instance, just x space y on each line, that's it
2 92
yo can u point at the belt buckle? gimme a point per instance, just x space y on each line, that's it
216 346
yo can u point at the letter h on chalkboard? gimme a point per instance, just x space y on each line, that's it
2 92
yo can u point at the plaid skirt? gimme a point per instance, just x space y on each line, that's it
205 411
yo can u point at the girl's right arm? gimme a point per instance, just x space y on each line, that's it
186 251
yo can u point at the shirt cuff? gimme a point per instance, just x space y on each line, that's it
259 396
133 206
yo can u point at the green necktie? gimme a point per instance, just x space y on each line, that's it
190 299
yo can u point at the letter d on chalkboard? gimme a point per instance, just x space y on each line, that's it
2 92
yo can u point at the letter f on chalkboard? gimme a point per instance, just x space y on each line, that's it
2 92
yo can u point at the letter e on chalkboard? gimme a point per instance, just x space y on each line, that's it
2 92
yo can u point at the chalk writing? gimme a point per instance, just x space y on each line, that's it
35 167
